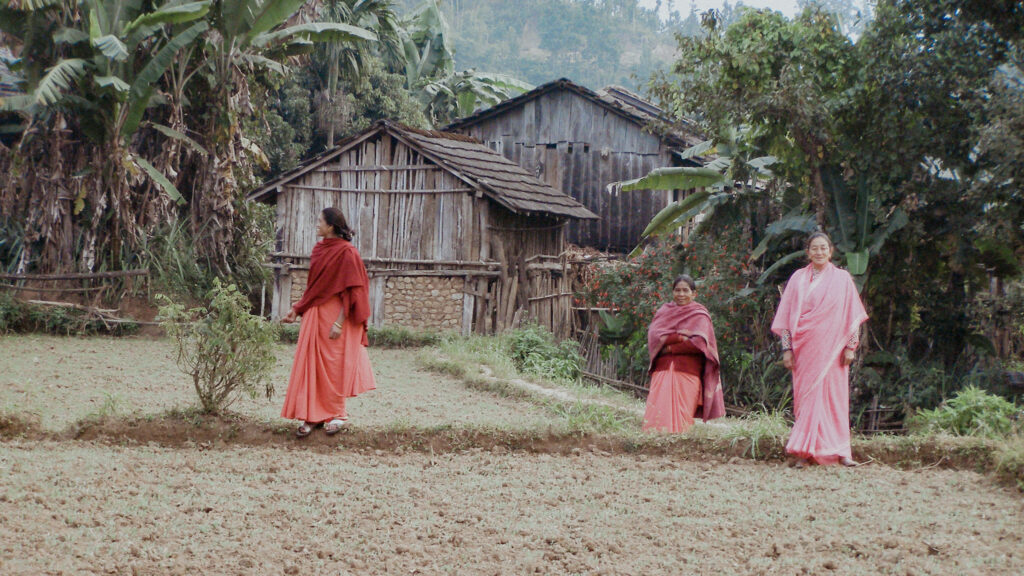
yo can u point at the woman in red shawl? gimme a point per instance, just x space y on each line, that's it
685 379
331 363
819 321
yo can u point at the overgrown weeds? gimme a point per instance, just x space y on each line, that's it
533 350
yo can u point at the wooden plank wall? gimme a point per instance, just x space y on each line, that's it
412 218
579 148
534 283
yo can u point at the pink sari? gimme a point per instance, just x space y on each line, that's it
822 317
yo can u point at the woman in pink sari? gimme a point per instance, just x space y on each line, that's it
331 363
819 321
685 379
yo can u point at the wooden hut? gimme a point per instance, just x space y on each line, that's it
580 141
455 237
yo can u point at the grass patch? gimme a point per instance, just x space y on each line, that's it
764 434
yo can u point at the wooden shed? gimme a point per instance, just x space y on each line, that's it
454 236
580 141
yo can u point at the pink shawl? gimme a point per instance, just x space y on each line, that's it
694 322
823 320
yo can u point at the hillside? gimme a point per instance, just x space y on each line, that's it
595 43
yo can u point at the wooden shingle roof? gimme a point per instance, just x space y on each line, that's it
613 98
498 178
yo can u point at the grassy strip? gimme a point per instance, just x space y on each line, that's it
757 437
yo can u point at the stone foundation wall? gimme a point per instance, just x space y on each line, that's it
424 302
416 302
298 278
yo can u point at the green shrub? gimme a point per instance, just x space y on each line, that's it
972 412
534 351
226 350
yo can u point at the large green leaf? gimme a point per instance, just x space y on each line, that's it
857 262
317 31
58 79
112 82
170 13
778 264
671 212
153 70
160 180
697 150
684 178
179 136
111 47
799 223
70 36
269 14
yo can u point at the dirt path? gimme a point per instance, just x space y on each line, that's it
85 508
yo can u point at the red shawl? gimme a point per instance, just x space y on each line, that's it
335 268
694 322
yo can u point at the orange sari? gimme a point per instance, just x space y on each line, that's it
326 371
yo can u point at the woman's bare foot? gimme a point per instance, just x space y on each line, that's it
848 462
800 463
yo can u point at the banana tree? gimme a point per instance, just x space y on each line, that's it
247 37
715 182
851 219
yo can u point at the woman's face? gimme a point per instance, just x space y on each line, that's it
819 252
682 294
323 229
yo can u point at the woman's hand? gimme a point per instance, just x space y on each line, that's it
290 317
335 332
787 360
847 357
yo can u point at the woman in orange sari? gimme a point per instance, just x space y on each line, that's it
819 321
685 378
331 363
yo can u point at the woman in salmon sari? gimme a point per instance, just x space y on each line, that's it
685 378
819 321
331 363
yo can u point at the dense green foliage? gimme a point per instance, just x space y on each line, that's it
534 351
224 349
971 412
902 143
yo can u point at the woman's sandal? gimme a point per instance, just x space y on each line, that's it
335 426
305 429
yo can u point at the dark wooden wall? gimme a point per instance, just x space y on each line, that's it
579 147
